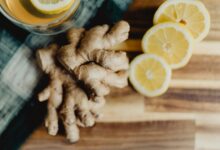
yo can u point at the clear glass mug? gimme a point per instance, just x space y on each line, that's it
21 13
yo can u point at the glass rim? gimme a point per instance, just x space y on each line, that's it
20 23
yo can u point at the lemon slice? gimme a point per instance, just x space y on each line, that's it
192 13
150 75
171 41
52 7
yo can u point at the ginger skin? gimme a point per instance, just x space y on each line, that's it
94 46
76 108
87 61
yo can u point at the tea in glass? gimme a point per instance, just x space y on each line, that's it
24 14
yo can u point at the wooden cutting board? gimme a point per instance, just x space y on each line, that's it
187 117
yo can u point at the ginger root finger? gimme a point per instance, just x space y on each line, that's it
52 93
45 58
95 105
54 101
118 34
68 116
74 36
98 79
72 132
109 59
100 37
44 94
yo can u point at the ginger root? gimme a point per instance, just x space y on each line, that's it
94 46
87 61
76 108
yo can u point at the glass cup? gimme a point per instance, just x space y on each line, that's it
24 15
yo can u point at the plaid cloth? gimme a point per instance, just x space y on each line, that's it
20 112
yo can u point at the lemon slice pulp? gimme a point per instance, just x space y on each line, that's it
52 7
171 41
192 13
150 75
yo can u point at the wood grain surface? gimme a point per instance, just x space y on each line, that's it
169 135
186 117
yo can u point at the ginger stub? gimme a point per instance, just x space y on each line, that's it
89 61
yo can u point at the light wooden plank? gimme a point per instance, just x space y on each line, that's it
195 84
156 135
174 100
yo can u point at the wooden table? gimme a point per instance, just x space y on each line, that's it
187 117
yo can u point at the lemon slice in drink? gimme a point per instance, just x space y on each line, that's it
171 41
192 13
52 7
150 75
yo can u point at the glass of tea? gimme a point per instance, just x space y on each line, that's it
41 16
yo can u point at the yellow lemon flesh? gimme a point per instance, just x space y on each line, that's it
52 7
191 13
171 41
150 75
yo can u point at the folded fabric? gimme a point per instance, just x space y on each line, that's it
20 112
